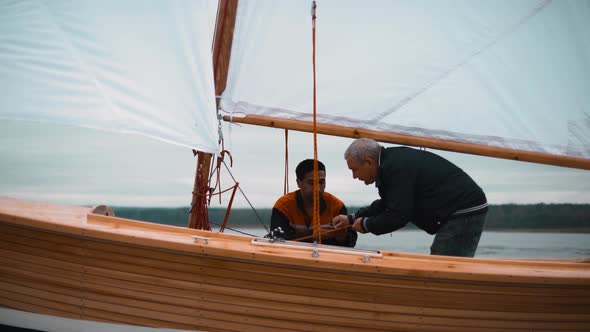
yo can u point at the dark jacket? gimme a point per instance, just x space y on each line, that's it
289 214
420 187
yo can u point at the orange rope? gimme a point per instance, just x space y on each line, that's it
231 200
216 171
205 193
286 183
316 195
324 233
223 191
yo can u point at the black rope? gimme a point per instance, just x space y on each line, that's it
235 230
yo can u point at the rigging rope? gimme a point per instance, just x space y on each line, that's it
247 200
235 230
206 193
316 195
236 186
286 183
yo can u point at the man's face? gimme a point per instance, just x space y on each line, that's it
365 170
306 184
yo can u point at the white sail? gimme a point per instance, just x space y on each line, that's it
134 66
510 74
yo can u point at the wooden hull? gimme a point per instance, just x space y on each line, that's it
61 261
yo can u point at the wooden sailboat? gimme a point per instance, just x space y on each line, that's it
83 264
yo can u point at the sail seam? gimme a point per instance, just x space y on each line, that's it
461 64
76 56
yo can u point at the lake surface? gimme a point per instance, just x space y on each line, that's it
493 244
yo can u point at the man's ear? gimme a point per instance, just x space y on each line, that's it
372 162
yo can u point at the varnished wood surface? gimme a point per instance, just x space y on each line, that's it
55 260
224 33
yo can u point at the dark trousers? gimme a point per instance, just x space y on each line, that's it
459 236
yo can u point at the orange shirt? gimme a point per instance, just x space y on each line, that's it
292 207
289 214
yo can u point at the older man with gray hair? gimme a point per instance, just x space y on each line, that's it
420 187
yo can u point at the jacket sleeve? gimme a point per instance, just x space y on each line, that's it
372 210
394 210
385 222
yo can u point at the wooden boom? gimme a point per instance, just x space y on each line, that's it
395 138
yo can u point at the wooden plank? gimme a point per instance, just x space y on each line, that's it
16 302
416 296
36 304
439 267
400 294
276 268
124 262
239 266
427 266
185 315
151 292
217 304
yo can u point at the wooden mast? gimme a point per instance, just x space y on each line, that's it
224 32
395 138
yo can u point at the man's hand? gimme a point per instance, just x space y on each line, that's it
340 221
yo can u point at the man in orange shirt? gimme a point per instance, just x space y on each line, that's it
293 212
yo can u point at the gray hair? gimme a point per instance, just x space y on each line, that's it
363 148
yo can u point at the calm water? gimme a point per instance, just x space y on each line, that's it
492 244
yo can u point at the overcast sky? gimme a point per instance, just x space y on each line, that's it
81 166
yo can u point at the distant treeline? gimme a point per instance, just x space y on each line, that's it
508 216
